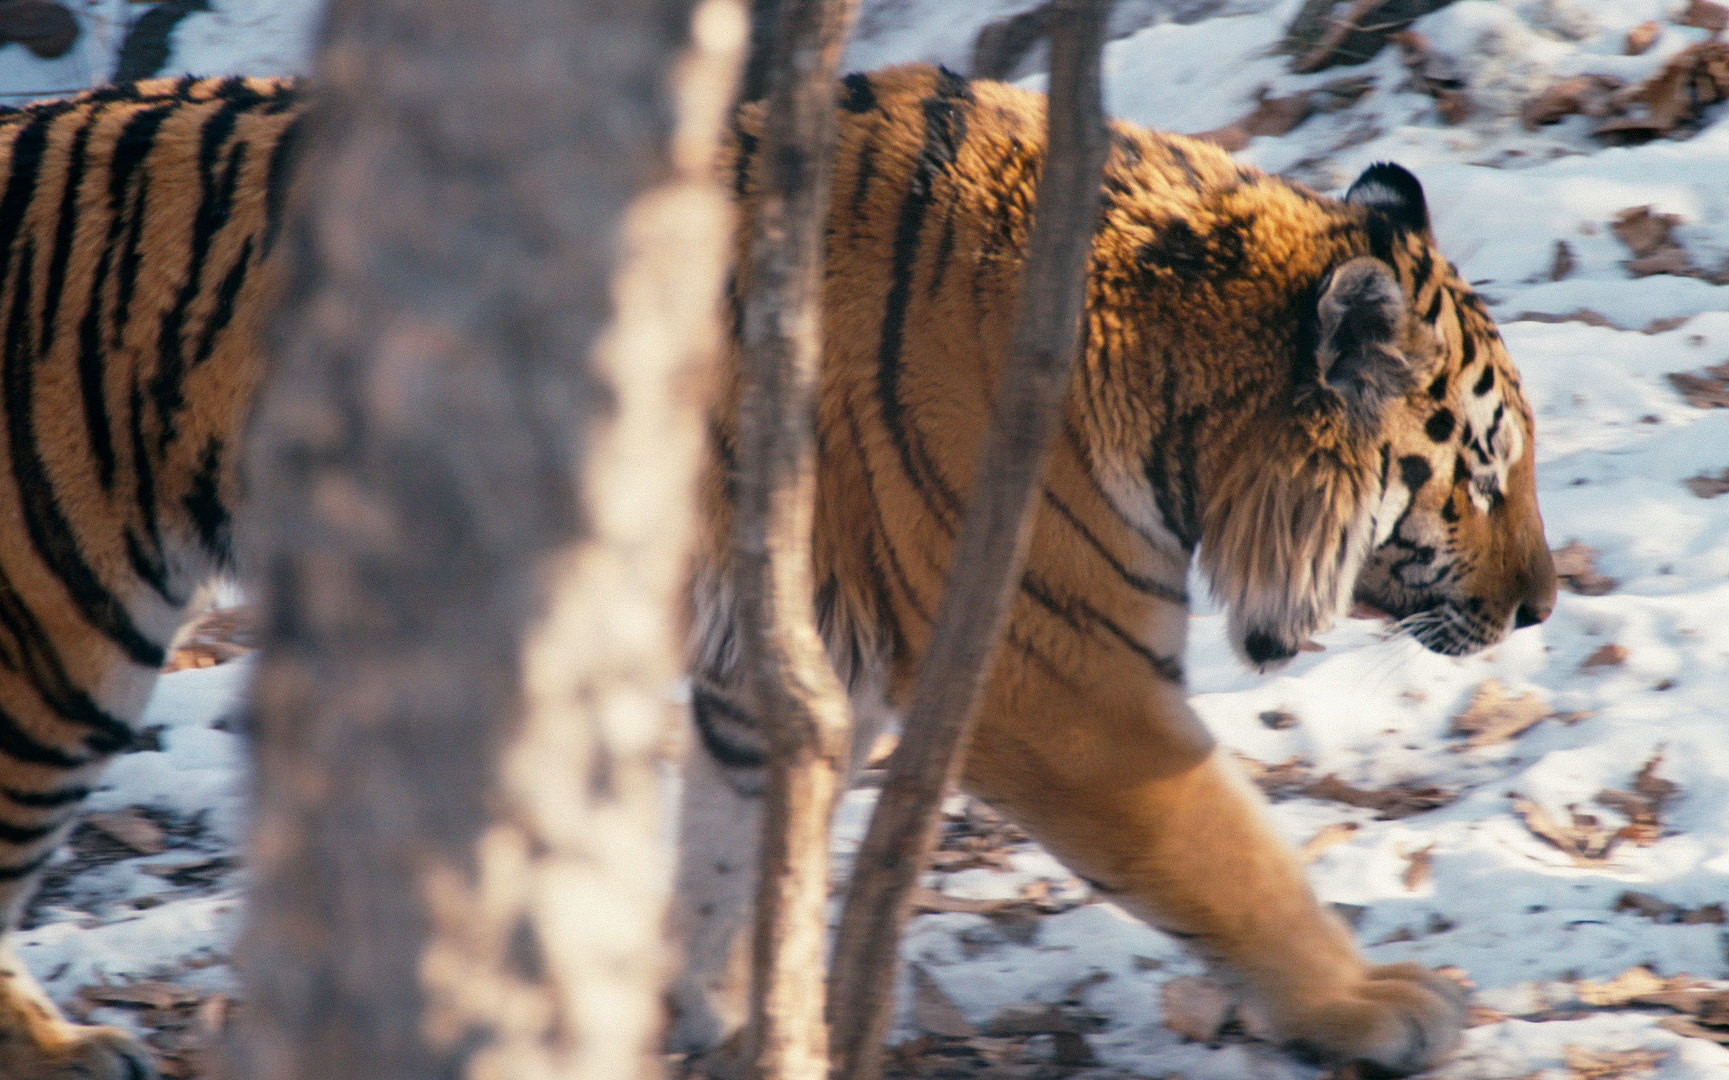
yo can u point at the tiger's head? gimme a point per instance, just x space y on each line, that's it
1416 496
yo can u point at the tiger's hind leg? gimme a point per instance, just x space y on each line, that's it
36 1041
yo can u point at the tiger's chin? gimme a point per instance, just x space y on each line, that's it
1438 624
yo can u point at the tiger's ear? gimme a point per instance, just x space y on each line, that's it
1359 366
1393 192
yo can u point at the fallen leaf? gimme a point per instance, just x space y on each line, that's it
1673 101
1583 839
1433 74
1707 486
1389 803
1325 837
1644 231
1610 655
145 994
1561 266
1704 15
934 1011
1641 37
132 829
1286 778
1030 1018
1492 716
1611 1064
1707 391
1665 324
1587 95
1195 1007
1579 315
1418 868
1623 988
1576 569
1692 1030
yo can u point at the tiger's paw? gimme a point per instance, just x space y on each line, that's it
49 1048
1402 1018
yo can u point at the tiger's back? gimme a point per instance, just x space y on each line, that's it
137 225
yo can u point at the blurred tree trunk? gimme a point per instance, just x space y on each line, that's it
794 52
470 485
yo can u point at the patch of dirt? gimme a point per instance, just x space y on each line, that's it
1576 569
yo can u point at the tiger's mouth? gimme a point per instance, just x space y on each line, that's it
1438 623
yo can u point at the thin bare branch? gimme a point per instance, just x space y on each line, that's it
987 558
793 686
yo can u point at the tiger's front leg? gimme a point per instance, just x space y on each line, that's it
1124 785
36 1041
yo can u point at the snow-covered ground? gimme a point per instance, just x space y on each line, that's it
1508 857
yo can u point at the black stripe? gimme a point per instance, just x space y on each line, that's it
17 744
222 312
46 800
1138 582
864 173
24 870
204 502
860 96
65 227
25 834
218 181
1080 615
150 564
46 522
38 661
945 129
704 708
276 178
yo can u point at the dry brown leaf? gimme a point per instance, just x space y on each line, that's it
1611 1064
1286 778
1704 15
145 994
1562 264
1433 74
1195 1007
1583 838
1588 95
1398 801
934 1011
132 829
1494 717
1578 315
1623 988
1690 1029
1673 101
45 28
1707 391
1642 37
1419 866
1610 655
1576 569
1325 837
1644 231
1665 324
1705 485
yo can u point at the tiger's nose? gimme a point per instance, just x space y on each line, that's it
1530 615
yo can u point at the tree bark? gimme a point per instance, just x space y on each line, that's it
470 479
789 678
986 562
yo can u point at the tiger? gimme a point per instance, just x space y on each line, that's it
1294 394
138 227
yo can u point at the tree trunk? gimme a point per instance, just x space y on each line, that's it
798 698
986 562
471 475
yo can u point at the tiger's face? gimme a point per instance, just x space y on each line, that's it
1459 558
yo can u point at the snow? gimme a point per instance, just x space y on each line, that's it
1615 442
